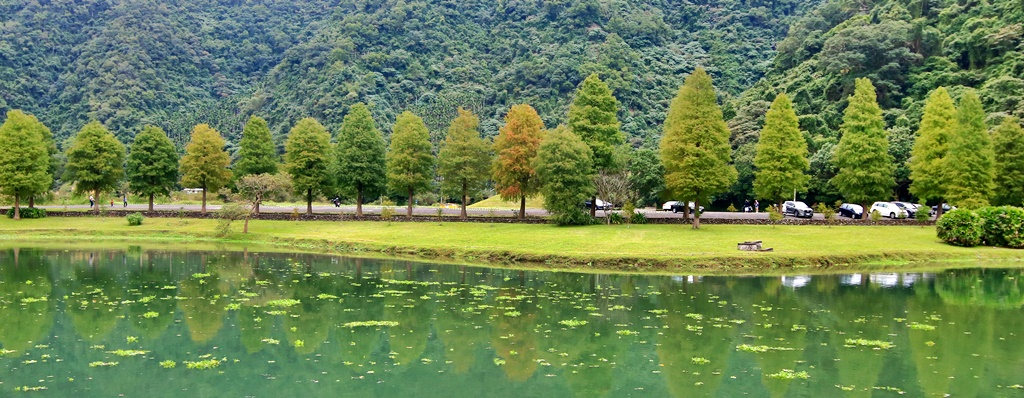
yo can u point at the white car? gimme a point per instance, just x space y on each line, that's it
887 209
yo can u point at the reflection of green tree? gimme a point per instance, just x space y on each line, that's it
679 346
253 326
313 320
1003 289
457 330
776 328
95 301
149 296
863 312
23 323
203 305
512 337
408 340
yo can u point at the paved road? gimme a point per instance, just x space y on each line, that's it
424 210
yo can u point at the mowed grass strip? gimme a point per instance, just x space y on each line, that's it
656 242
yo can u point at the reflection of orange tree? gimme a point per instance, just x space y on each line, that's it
94 302
678 346
26 309
203 303
512 335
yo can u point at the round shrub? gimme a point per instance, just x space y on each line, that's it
28 212
960 227
134 219
1002 226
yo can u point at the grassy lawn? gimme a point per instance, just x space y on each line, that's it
637 247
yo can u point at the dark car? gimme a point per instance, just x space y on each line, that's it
945 209
851 210
909 208
797 208
677 207
601 205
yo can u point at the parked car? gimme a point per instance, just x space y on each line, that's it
888 209
945 209
851 210
797 208
601 205
676 206
909 208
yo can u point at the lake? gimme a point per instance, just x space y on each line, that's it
164 323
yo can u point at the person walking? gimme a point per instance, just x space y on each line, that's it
125 200
92 201
757 206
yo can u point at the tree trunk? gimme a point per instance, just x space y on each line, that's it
865 212
408 210
465 198
150 202
593 206
204 199
781 201
256 208
522 207
245 227
696 213
939 211
96 204
359 202
17 205
309 201
686 209
32 201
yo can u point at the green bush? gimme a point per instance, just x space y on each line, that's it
1002 226
638 218
922 213
134 219
960 227
28 212
574 217
616 218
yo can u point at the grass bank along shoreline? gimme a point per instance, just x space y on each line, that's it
637 248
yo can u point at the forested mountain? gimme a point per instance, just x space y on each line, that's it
181 62
907 48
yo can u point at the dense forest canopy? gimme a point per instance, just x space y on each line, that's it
179 63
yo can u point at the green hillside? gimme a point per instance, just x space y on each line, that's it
177 63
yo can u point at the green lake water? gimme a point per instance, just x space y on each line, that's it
110 323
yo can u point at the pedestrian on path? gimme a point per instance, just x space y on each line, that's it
757 206
92 201
125 200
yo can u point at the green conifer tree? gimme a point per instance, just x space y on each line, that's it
410 161
566 174
515 148
695 145
257 153
95 161
971 158
929 172
862 156
464 160
152 164
593 118
205 164
360 156
781 159
307 158
24 158
1008 143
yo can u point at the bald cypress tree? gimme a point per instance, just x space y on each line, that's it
306 158
862 156
518 140
410 161
360 156
257 153
95 161
929 171
781 158
593 118
24 158
971 158
695 146
205 164
464 159
152 164
1008 141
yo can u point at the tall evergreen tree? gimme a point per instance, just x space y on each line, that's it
95 161
971 158
360 156
862 156
152 163
205 164
464 160
257 153
695 145
307 158
593 118
410 161
516 147
929 173
54 162
24 158
781 159
1008 142
566 174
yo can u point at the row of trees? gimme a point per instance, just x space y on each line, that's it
954 157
